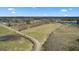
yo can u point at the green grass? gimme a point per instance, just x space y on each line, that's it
14 45
68 29
4 31
75 25
41 32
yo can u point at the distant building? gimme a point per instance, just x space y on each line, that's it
77 22
69 22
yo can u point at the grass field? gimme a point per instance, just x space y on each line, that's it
4 31
68 29
67 38
41 32
14 45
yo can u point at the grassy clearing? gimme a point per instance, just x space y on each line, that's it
67 37
14 45
4 31
41 32
68 29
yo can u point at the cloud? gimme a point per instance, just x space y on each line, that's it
33 7
10 9
65 15
63 10
66 12
13 12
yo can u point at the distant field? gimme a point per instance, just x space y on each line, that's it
68 29
18 44
41 32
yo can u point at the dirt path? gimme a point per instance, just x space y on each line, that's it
54 43
36 44
55 27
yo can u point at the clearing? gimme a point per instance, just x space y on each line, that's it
65 38
18 44
41 32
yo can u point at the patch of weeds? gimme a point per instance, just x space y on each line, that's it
77 40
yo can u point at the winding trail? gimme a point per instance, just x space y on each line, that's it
36 44
56 27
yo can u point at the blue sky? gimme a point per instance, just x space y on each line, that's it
39 11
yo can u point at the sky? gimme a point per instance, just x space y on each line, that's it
39 11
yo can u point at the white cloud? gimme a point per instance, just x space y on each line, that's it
13 12
33 7
10 9
66 15
63 10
